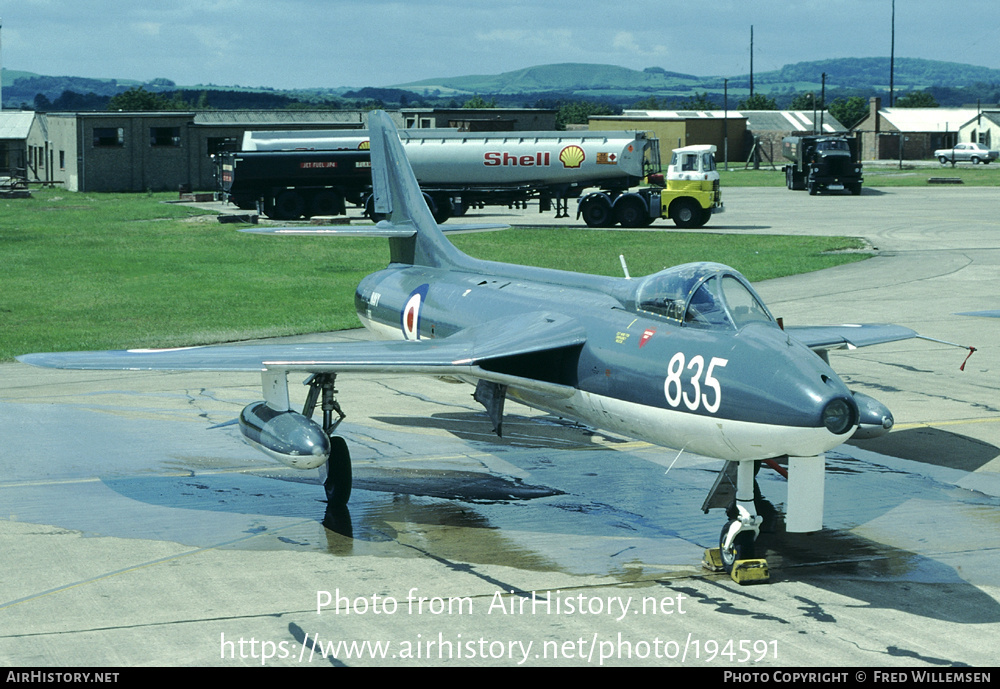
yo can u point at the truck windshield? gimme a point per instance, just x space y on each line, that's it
833 145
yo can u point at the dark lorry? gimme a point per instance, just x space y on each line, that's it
822 163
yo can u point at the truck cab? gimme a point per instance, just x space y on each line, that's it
692 193
689 195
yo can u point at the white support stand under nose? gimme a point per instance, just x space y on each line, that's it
806 476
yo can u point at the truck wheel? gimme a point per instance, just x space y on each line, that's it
326 203
289 205
370 210
596 212
686 213
440 207
245 203
631 212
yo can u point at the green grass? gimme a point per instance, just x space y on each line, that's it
105 271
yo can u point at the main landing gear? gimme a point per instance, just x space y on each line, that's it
735 554
338 479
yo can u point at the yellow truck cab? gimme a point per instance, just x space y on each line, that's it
692 193
689 196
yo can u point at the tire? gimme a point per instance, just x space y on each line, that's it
596 212
974 160
440 207
244 203
943 160
631 212
338 478
326 203
742 549
289 205
370 210
686 213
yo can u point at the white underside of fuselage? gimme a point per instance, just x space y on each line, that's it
707 435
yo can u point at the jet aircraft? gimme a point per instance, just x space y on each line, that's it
688 358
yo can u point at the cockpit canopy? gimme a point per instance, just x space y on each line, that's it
705 295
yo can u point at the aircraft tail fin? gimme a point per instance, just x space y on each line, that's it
397 196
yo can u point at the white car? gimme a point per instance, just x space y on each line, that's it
973 153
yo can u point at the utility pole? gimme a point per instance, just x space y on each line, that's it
751 59
822 102
892 55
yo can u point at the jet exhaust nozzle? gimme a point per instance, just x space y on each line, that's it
875 418
287 436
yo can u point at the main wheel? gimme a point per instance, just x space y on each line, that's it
338 477
742 548
326 202
596 212
943 160
370 210
686 213
289 205
631 212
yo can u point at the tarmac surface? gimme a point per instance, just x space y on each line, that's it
134 534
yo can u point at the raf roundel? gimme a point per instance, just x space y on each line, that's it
411 313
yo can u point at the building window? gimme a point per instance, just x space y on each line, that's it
165 136
62 160
109 137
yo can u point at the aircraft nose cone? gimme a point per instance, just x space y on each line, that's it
795 387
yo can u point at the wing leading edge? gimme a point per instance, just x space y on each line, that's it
848 336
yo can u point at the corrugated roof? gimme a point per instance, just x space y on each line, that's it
790 121
245 117
15 125
757 120
928 119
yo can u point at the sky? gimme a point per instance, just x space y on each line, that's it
287 44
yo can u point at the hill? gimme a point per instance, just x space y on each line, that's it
951 84
844 76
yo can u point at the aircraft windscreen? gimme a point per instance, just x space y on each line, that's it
702 295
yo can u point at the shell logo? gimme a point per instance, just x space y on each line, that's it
364 146
572 156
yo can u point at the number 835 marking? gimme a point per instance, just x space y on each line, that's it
674 390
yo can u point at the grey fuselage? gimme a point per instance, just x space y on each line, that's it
732 390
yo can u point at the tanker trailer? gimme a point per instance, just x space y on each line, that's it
460 170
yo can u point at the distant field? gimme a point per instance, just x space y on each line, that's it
105 271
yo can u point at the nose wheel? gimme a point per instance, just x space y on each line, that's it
735 554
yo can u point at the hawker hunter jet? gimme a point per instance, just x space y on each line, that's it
688 358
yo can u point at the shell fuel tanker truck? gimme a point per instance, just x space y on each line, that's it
288 175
